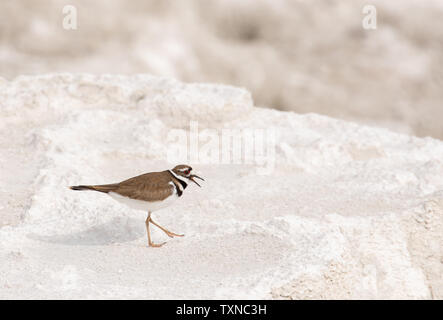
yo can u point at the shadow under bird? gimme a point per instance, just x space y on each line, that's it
149 192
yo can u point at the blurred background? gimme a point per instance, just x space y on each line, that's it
302 56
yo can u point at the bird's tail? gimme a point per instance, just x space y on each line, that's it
103 188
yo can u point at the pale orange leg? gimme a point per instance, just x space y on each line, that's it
150 243
168 233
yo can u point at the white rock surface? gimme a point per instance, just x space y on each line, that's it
348 212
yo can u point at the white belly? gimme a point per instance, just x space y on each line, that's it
144 205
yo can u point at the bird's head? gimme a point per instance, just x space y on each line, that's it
185 171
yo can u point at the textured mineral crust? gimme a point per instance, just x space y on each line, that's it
346 211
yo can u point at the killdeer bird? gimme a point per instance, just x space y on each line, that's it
149 192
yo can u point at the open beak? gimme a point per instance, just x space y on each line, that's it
192 176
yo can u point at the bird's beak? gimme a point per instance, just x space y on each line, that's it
192 176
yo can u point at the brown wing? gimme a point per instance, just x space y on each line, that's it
151 186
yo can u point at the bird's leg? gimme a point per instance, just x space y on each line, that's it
150 243
168 233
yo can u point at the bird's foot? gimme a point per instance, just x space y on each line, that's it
172 234
156 245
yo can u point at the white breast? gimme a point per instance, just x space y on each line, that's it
145 205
